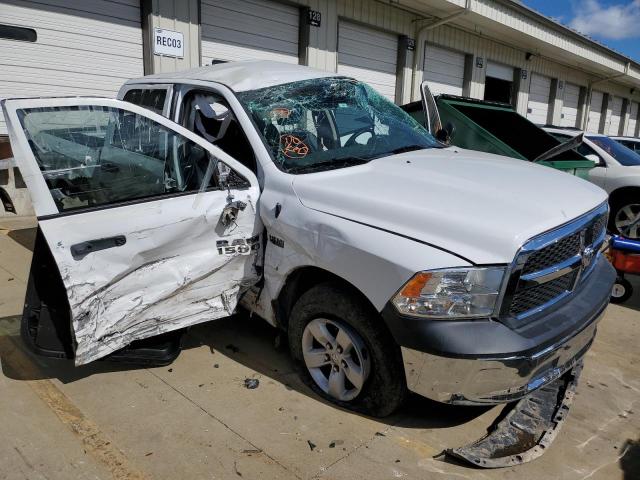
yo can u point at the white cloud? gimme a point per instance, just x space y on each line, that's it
615 22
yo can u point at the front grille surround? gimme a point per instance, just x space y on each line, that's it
548 268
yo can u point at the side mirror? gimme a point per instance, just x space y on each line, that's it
445 135
594 158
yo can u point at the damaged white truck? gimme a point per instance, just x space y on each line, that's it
392 262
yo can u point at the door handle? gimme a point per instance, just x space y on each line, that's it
81 250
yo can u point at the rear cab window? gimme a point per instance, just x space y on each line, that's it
153 99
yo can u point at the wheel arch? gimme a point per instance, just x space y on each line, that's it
622 192
303 279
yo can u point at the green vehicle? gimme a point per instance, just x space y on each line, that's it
495 128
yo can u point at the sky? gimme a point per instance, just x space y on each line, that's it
616 23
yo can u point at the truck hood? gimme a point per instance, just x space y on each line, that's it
479 206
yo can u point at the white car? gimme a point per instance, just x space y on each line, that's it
390 261
617 170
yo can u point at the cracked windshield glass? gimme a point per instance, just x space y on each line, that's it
328 123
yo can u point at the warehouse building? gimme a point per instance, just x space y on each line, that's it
493 49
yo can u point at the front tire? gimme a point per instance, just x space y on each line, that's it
344 352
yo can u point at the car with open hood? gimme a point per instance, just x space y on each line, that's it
389 260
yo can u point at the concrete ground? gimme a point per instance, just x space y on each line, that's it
195 419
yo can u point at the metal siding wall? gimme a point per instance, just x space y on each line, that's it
539 96
369 55
252 29
616 116
595 112
444 70
83 48
571 105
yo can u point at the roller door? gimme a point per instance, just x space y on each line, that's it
86 48
616 116
570 106
368 55
539 96
249 30
444 70
633 120
595 112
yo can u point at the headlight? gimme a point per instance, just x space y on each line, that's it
452 293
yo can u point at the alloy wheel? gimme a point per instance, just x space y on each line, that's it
627 221
336 358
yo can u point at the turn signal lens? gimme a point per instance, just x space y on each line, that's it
452 293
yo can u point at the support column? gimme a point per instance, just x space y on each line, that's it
179 16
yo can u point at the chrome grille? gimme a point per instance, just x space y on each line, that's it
558 252
531 298
549 267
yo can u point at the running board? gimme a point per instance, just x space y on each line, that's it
529 428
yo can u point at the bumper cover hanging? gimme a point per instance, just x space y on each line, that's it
527 430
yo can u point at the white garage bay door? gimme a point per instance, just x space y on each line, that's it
633 120
539 94
368 55
570 105
616 116
81 48
595 112
249 30
444 70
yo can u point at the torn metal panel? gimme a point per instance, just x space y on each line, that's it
179 266
527 430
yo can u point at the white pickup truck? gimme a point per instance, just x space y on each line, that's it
391 261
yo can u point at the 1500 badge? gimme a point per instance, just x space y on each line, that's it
238 246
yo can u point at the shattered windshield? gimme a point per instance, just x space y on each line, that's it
327 123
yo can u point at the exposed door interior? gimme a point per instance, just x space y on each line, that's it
149 225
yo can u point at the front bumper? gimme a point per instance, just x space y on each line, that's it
486 362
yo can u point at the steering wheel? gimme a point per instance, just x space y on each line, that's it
352 139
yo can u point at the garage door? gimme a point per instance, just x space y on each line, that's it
616 116
89 48
249 30
444 70
633 120
368 55
539 94
570 105
593 125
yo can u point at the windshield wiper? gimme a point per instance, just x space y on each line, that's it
328 165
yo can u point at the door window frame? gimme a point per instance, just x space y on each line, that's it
260 149
39 190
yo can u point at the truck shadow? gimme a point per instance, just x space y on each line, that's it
258 346
248 341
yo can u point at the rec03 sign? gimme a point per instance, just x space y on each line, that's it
168 43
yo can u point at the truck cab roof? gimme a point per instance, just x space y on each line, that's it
239 76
